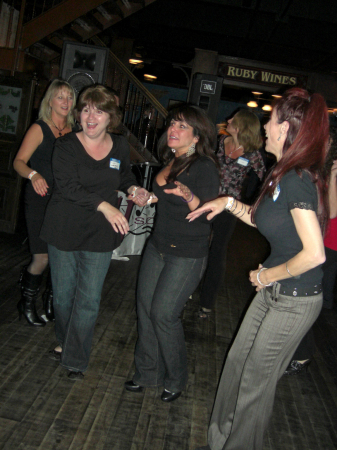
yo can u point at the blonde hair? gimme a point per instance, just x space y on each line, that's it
249 135
102 98
45 108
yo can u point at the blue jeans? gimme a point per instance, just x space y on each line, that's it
77 279
164 286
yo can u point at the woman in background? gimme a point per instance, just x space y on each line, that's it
33 162
176 255
291 212
238 154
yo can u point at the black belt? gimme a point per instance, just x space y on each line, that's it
297 292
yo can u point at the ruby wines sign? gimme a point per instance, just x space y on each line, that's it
255 75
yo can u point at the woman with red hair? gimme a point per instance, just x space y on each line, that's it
291 212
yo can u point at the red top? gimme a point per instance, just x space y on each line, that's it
330 239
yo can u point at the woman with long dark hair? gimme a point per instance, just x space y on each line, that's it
291 211
176 255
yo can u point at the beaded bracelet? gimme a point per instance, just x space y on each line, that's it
188 201
258 277
32 173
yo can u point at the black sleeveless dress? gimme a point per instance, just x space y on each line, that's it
35 205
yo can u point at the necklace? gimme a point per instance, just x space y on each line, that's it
233 151
60 131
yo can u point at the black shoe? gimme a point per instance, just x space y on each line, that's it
47 300
168 396
30 286
296 367
55 355
133 387
75 376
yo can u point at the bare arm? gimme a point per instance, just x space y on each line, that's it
215 207
310 256
333 191
115 217
31 141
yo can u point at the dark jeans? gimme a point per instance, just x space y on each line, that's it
164 286
222 229
77 279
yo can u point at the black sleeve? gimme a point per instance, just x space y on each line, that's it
127 177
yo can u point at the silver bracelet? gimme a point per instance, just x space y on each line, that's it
288 269
258 277
239 211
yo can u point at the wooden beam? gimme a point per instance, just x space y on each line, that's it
63 14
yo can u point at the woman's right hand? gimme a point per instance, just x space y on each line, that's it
39 184
115 217
215 207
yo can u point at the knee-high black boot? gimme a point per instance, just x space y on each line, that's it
47 299
30 286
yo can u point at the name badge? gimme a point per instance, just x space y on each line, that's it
243 161
114 163
276 193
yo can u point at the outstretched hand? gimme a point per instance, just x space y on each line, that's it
141 197
213 207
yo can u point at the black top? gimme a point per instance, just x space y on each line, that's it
275 222
72 221
41 158
174 234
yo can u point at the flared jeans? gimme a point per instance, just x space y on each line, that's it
164 286
77 278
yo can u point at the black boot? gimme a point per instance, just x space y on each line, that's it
47 299
30 286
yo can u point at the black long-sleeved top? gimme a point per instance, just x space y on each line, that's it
174 234
72 221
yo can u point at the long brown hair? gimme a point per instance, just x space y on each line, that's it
305 146
202 126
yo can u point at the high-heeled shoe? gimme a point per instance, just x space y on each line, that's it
296 367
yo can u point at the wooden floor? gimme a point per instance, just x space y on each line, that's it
40 408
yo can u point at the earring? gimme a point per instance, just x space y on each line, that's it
173 150
279 137
191 150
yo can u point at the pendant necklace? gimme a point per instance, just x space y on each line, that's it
233 151
60 131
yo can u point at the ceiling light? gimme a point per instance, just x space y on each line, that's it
257 93
149 77
267 108
252 104
135 61
276 96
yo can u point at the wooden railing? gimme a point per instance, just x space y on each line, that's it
144 115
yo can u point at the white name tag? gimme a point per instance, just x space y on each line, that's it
243 161
114 163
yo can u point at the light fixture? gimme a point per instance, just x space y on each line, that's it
267 108
135 61
149 77
257 93
252 104
276 96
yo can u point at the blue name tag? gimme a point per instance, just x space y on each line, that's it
243 161
114 163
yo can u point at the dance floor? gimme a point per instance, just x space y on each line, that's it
40 408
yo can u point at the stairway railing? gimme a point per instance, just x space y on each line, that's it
144 115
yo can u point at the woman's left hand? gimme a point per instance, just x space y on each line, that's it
253 278
181 191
